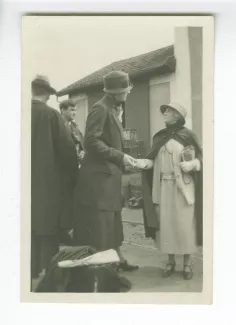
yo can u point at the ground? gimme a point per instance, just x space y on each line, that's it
143 252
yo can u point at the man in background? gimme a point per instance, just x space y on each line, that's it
52 153
68 113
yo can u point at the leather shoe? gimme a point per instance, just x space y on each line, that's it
125 266
187 275
169 269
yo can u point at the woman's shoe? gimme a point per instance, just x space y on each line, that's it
169 269
125 266
187 275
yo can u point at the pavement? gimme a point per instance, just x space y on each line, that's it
143 252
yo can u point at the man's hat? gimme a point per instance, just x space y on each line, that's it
67 103
177 107
43 82
117 82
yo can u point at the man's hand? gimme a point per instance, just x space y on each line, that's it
129 161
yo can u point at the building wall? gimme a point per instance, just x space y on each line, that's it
85 102
81 101
137 111
183 92
136 108
161 91
185 86
93 96
188 76
195 46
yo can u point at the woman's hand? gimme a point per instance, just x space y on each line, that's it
140 164
144 164
188 166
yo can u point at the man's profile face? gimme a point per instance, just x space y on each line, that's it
121 97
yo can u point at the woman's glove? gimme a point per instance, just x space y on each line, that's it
188 166
144 164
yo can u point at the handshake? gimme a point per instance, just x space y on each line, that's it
131 163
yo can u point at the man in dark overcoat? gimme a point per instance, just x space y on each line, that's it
98 200
52 151
68 113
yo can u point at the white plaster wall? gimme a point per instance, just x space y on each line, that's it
82 110
181 86
158 96
180 81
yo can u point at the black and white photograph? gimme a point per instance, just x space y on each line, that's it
118 158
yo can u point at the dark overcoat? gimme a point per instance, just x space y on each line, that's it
53 153
67 206
99 183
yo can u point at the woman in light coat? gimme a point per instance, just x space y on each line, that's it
172 190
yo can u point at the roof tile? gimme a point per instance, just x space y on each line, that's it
134 66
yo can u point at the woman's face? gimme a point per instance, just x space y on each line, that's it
171 116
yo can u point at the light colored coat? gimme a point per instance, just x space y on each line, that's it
175 192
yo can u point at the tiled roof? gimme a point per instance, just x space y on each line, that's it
160 61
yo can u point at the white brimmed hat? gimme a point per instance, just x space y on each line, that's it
176 106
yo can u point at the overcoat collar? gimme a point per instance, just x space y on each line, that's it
112 107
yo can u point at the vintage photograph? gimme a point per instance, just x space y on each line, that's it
116 170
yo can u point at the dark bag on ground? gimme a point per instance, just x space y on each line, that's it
81 279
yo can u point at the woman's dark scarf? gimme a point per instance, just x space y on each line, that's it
185 137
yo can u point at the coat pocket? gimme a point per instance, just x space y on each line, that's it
102 169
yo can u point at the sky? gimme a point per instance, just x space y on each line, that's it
69 48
